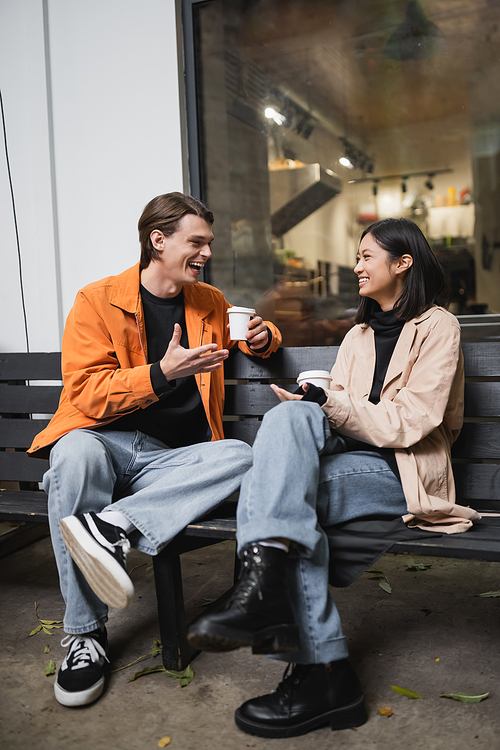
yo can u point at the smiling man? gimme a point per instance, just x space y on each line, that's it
136 445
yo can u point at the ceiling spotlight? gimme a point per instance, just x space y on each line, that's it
375 187
403 184
416 38
429 183
271 114
345 162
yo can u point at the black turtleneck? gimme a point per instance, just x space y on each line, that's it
387 329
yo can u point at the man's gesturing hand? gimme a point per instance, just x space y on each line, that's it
178 362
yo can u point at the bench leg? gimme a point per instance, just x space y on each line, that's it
176 651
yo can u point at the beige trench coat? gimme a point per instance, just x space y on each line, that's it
420 412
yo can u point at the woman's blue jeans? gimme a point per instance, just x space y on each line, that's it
300 483
160 490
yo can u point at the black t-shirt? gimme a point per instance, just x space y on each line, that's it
178 418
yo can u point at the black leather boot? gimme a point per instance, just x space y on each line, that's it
258 612
310 697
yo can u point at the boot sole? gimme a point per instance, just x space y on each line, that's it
273 640
346 717
105 576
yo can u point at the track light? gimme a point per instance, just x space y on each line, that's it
403 184
354 158
429 183
375 187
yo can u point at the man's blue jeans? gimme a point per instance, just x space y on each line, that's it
300 483
160 490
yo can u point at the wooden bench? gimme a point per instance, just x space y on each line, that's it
29 392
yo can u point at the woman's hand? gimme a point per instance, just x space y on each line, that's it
286 395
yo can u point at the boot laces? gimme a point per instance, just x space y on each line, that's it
291 678
83 651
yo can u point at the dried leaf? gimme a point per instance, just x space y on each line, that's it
405 692
164 742
47 631
385 711
36 630
465 697
50 668
386 586
148 570
205 602
490 594
46 650
156 647
51 622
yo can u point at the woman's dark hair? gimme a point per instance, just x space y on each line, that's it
164 214
424 282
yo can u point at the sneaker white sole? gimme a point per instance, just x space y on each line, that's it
105 576
80 698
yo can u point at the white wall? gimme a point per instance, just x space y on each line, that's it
91 97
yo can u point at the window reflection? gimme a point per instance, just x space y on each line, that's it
318 117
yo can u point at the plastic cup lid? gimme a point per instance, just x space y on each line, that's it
246 310
314 374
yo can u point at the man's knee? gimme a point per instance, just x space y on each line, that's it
77 445
236 451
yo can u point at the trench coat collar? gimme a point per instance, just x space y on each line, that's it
401 350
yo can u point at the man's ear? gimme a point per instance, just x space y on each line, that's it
404 263
157 240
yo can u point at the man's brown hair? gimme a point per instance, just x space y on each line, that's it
164 213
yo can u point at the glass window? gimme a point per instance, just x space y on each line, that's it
317 117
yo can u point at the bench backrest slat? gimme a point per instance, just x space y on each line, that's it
248 396
22 399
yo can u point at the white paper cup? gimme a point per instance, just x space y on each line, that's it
239 318
320 378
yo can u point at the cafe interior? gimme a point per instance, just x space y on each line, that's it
315 118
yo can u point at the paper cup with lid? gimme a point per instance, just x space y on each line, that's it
239 318
321 378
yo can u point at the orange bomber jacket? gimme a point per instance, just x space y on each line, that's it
105 368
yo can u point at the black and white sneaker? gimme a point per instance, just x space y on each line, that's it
100 549
81 677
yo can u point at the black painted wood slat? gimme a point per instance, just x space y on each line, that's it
478 440
19 467
19 433
32 399
482 359
32 366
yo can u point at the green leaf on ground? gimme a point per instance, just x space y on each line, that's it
206 602
465 697
490 594
50 668
184 677
412 565
385 586
156 647
46 650
404 691
148 570
35 631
